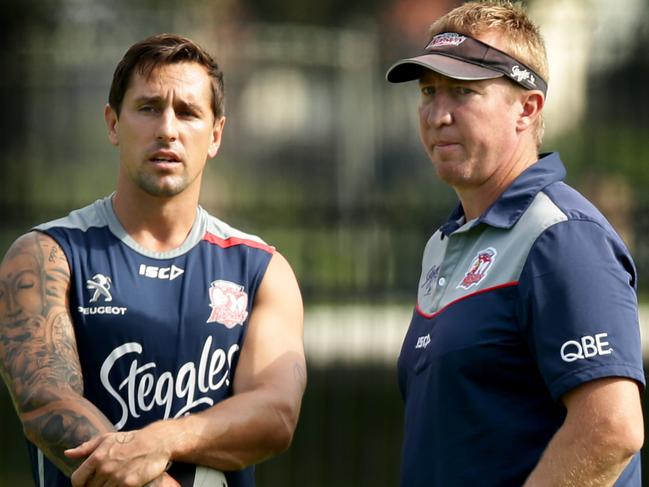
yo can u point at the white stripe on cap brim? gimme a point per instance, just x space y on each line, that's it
410 69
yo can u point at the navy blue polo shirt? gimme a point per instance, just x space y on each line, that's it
514 309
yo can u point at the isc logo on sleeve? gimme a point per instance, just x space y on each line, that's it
586 347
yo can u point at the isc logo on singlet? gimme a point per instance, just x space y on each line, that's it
165 273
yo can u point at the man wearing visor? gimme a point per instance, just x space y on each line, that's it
522 364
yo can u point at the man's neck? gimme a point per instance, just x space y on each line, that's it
157 224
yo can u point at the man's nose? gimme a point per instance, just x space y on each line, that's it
168 126
436 113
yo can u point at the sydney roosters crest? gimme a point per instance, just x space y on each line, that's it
478 268
229 303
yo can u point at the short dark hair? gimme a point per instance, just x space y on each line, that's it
158 50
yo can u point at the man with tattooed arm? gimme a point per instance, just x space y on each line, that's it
144 341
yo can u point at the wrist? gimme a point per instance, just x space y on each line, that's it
165 435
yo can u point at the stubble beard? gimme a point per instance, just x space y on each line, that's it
161 186
449 171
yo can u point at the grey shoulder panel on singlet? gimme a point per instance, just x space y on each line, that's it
101 214
90 216
224 231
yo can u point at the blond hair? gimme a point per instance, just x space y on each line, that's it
521 37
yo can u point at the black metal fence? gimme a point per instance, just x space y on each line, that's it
321 158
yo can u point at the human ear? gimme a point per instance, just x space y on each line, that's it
532 103
112 123
217 132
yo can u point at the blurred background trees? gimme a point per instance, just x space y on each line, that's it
321 158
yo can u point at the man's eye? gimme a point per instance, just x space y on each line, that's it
461 90
147 108
427 90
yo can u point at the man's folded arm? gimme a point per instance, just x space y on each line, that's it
39 361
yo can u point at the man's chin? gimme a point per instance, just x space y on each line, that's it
162 189
451 172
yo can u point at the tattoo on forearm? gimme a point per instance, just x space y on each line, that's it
38 355
61 430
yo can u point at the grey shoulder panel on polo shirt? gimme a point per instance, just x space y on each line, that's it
478 257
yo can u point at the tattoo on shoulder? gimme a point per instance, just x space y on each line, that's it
37 340
38 353
53 251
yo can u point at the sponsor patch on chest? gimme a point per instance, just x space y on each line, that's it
480 266
163 273
229 303
428 283
99 287
99 290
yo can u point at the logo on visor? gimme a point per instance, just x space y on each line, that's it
446 39
521 75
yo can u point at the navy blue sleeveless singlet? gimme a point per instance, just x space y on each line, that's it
158 334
